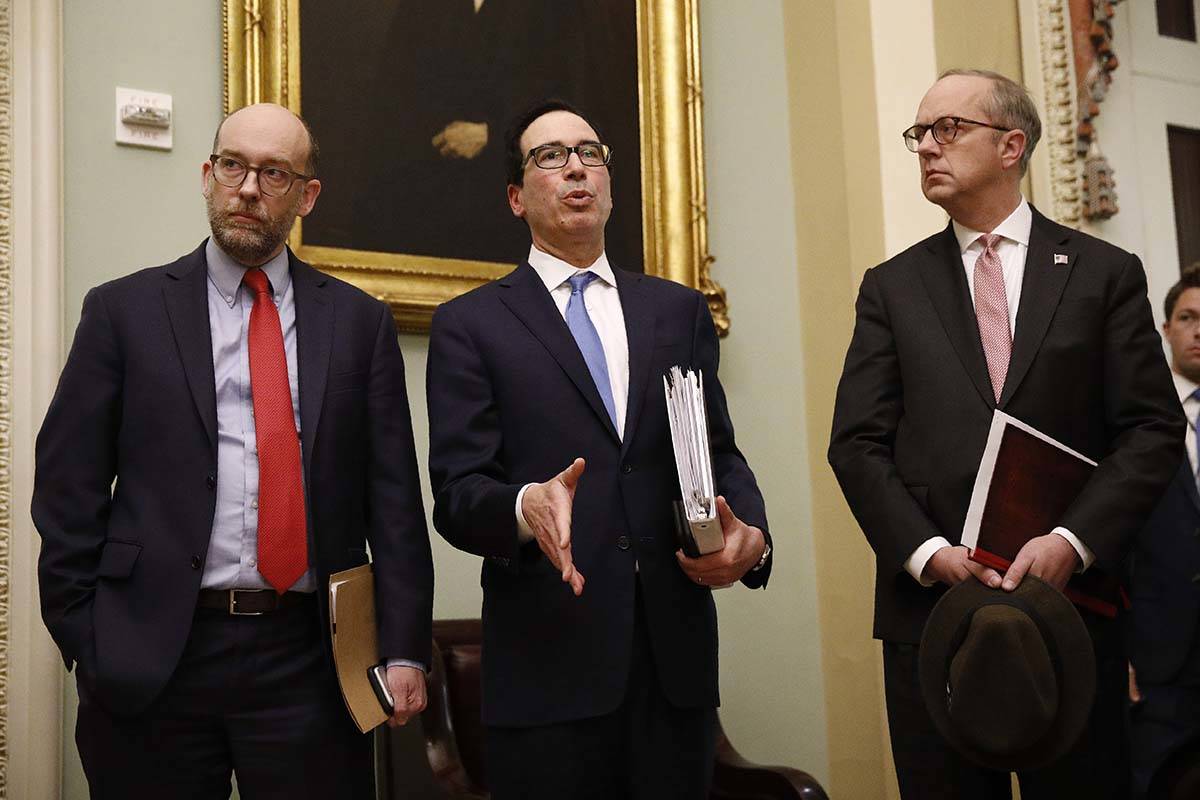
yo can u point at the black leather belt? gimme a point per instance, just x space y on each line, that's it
249 602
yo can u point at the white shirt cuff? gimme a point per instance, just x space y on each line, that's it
404 662
524 532
920 557
1086 556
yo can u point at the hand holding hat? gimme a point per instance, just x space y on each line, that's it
1008 677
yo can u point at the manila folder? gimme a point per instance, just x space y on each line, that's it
355 647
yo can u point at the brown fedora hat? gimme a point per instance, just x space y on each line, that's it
1008 677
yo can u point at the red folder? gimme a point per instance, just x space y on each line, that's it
1026 483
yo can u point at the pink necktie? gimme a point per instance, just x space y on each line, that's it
991 311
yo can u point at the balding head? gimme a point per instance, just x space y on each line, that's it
273 122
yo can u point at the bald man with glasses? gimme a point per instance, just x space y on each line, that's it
229 430
1002 310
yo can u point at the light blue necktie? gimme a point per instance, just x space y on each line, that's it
1195 423
589 340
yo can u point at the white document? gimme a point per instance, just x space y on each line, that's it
693 456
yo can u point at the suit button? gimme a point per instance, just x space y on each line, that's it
195 562
211 481
627 468
623 542
1196 578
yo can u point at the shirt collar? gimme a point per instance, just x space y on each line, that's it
1015 228
1183 386
226 274
554 272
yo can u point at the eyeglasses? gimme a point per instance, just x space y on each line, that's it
554 156
272 181
944 131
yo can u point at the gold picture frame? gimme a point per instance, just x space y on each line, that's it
261 63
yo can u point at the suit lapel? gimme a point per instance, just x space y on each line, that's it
526 297
946 283
186 297
1041 289
638 309
314 343
1187 482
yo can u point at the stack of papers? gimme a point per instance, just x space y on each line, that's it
693 460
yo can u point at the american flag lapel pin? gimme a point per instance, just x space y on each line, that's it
1059 258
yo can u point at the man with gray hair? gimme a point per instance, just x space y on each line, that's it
1002 310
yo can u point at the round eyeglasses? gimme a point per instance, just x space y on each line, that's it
555 156
944 130
272 181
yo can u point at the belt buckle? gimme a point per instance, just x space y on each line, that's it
233 609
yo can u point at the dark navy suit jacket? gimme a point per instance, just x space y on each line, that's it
121 561
511 402
1165 587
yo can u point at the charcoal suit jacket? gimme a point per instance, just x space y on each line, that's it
124 490
915 402
511 402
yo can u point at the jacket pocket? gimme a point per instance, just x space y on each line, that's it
117 559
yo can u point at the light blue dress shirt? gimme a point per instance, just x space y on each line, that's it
232 561
233 548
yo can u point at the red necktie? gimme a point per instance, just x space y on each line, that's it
991 312
282 540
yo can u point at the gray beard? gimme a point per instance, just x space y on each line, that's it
246 246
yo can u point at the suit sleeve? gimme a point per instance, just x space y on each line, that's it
866 415
1145 423
397 533
76 458
732 476
473 499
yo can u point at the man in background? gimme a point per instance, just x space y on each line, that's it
1002 310
228 430
551 457
1164 624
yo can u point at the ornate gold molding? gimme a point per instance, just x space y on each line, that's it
1057 67
6 348
262 63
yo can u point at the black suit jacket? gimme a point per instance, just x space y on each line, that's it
915 401
121 562
511 402
1164 588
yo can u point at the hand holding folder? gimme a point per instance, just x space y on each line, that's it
1025 484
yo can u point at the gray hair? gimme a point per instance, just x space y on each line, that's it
1009 106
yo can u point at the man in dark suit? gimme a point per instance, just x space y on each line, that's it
1007 310
228 430
550 456
1164 623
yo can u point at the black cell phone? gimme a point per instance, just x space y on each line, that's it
377 675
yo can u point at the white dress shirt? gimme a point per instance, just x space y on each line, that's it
1191 409
603 304
1012 250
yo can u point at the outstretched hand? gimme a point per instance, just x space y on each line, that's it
547 510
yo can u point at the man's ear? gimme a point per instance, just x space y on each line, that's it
311 190
1012 148
514 200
